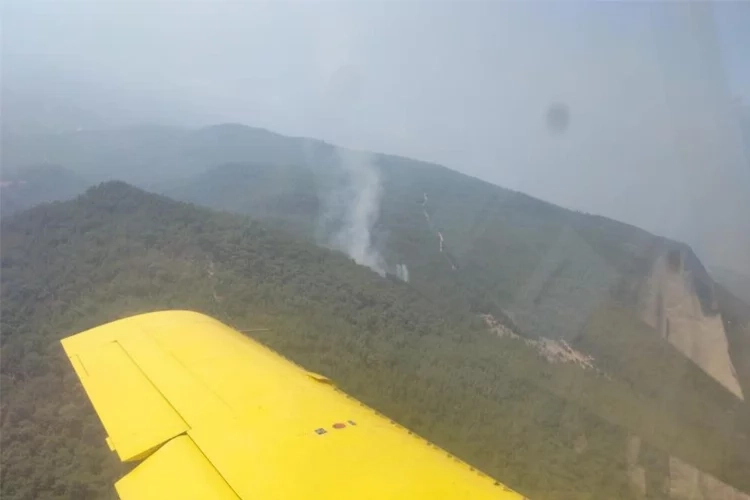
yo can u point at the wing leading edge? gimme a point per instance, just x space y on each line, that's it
210 413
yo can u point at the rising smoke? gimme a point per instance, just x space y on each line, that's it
353 208
402 272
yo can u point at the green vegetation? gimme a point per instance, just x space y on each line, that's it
417 351
552 431
282 196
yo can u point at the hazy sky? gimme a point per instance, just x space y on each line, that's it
650 141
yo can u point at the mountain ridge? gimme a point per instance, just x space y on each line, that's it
293 183
117 250
596 319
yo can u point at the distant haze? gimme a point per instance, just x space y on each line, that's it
628 110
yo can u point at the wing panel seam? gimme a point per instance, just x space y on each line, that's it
179 415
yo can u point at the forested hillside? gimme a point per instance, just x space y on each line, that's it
475 247
466 243
551 430
666 351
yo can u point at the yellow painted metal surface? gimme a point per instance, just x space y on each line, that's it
134 413
227 407
176 470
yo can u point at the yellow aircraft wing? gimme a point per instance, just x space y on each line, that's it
210 413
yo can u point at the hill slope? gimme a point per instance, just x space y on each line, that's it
550 430
469 245
475 247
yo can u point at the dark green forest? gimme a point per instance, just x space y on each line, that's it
418 351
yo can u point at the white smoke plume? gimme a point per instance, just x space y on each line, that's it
354 208
402 272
